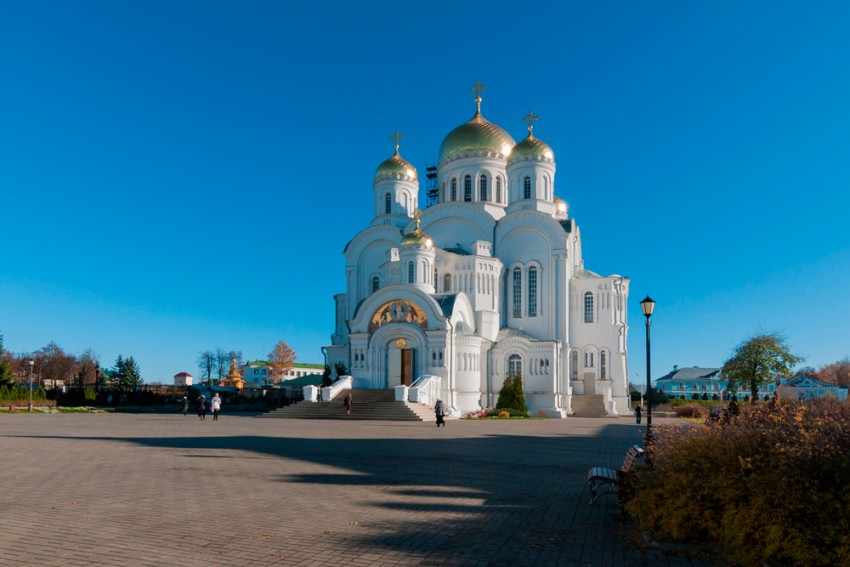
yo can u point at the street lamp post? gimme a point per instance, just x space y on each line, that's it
29 405
648 306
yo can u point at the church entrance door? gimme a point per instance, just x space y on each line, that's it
589 384
407 366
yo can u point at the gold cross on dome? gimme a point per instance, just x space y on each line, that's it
478 88
396 138
416 214
530 119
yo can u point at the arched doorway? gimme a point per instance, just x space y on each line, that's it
401 363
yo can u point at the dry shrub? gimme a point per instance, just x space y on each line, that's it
690 410
771 487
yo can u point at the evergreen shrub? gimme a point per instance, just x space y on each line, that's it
511 396
770 488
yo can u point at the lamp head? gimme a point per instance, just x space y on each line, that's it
647 306
31 362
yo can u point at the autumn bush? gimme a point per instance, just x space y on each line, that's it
771 487
690 410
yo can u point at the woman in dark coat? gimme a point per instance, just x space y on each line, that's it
440 411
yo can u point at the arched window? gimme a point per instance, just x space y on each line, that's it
532 292
482 188
526 188
588 307
410 272
454 189
517 292
447 283
467 188
376 284
603 366
436 279
588 360
575 365
514 365
388 204
498 189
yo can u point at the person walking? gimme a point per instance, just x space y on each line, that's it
202 407
185 405
638 411
215 406
347 402
439 409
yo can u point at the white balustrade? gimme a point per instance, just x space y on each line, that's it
425 390
329 393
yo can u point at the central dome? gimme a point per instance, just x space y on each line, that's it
478 136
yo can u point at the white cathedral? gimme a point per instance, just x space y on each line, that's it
486 282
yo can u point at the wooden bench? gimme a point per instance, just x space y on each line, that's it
608 479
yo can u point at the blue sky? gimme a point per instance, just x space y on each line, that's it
177 176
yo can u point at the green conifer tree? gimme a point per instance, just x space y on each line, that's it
511 396
6 376
132 377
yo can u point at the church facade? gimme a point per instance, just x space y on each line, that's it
486 282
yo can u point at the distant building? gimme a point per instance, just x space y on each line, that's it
182 380
700 383
684 383
806 388
301 369
258 371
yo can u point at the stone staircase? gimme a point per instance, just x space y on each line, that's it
588 406
367 404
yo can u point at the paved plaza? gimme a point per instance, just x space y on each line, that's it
164 489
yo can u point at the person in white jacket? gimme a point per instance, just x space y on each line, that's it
215 406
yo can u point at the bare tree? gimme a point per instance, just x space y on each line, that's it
837 372
280 361
222 363
54 366
87 368
235 354
207 364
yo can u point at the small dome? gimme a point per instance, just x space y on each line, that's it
416 237
561 207
396 166
476 137
533 149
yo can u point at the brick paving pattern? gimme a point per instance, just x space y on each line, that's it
164 489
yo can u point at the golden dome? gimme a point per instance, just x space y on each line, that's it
395 166
531 148
560 206
416 237
478 136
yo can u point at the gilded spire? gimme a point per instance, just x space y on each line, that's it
396 138
477 88
530 119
